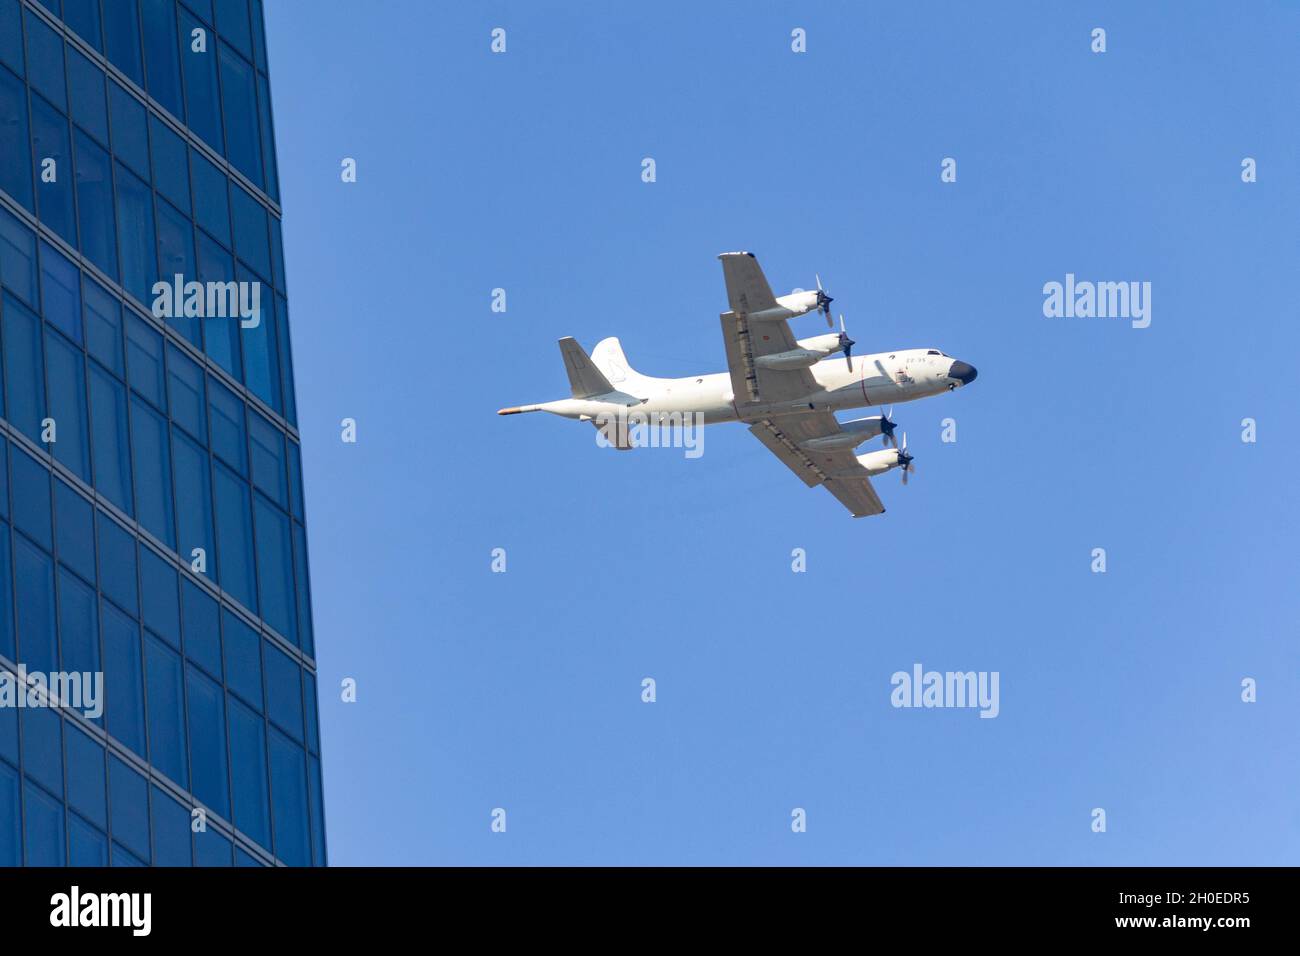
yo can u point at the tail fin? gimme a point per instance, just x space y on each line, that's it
609 358
585 379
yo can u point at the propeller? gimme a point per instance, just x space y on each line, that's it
905 460
824 301
887 427
846 343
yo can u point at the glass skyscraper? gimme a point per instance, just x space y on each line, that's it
151 510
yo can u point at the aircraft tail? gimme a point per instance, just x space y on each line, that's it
585 379
592 376
609 358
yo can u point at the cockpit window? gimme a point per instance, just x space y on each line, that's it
934 352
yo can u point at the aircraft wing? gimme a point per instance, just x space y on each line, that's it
837 470
748 293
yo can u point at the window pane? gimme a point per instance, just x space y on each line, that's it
135 235
130 141
43 747
117 577
144 360
211 849
277 252
207 725
67 366
234 537
220 328
11 36
268 138
227 426
60 292
260 361
123 683
193 502
176 257
211 205
171 832
232 22
251 238
203 8
108 434
129 800
309 701
119 857
11 845
286 359
95 204
7 646
202 629
24 379
243 659
44 827
31 490
78 626
171 171
37 640
153 474
307 641
75 524
266 443
284 691
295 478
89 105
185 391
83 17
16 170
86 845
8 715
200 68
275 568
52 156
103 319
122 39
86 776
45 60
239 102
248 771
17 257
166 711
162 62
161 605
289 791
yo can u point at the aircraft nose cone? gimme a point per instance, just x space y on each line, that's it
962 372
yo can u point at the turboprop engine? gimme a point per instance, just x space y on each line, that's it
797 303
811 351
853 433
879 462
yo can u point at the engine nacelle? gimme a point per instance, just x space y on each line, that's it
798 303
853 434
879 462
795 358
825 344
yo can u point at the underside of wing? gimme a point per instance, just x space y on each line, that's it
838 470
748 338
747 288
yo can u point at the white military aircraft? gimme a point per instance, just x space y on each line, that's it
782 388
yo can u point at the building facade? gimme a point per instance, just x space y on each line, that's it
157 663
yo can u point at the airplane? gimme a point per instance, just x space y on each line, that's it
784 389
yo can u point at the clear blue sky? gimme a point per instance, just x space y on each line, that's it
522 690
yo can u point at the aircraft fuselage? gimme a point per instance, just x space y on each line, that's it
885 378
